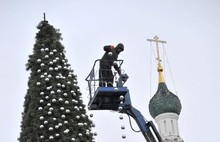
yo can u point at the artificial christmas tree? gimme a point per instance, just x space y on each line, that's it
53 107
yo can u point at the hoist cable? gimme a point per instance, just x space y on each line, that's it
170 72
132 126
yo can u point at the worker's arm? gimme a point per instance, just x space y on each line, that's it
117 68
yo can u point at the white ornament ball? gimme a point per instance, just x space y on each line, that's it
77 117
60 99
40 108
51 137
55 50
45 122
50 129
38 70
83 115
110 53
41 118
50 69
58 91
41 93
42 65
54 100
46 56
57 135
41 137
48 104
54 61
68 82
93 124
57 77
91 115
95 134
65 122
76 108
63 116
73 139
120 108
80 124
65 94
124 136
116 89
46 49
120 117
121 97
66 102
67 111
38 60
61 108
51 53
41 126
66 131
122 127
57 127
80 134
41 101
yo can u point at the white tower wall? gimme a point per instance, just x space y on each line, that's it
168 127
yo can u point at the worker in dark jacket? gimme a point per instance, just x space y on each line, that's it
106 63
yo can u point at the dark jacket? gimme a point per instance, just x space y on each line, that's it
111 55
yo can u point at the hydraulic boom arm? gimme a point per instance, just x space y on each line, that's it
147 127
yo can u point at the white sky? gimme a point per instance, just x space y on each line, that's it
191 29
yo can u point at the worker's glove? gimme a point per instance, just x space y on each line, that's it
124 77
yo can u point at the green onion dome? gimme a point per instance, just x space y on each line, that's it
164 101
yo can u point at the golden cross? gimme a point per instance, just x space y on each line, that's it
160 68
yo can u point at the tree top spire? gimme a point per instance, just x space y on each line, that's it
45 18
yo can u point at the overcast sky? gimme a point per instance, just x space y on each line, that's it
190 27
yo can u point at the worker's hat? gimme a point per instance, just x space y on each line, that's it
120 46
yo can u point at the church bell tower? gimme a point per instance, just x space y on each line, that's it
165 106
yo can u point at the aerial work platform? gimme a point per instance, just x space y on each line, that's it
117 98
